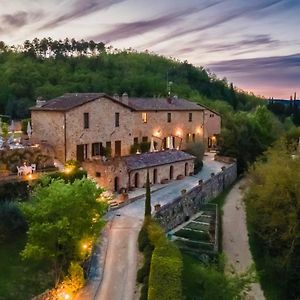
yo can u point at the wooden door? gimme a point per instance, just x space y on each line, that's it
80 153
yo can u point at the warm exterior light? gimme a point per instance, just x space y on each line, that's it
30 176
68 170
199 130
213 138
157 133
178 132
85 246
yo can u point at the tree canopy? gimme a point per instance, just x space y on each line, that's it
49 68
64 219
273 203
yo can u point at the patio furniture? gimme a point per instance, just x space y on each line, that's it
20 171
33 168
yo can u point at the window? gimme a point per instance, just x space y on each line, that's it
117 119
97 149
144 139
169 117
211 115
187 139
144 117
86 121
98 174
194 138
190 117
135 140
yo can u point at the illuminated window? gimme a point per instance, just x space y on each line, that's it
144 117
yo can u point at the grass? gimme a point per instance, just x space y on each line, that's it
196 226
20 280
192 235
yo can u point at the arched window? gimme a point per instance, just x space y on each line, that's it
136 180
116 184
171 172
154 176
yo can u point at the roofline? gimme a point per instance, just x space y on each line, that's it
34 108
206 107
163 164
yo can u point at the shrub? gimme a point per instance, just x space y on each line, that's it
9 191
196 149
24 125
165 273
12 221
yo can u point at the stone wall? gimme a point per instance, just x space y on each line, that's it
57 127
188 203
105 172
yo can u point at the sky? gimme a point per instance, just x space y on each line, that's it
253 43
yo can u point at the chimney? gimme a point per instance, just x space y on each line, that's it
116 96
125 98
295 96
40 101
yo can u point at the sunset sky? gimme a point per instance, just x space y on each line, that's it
255 44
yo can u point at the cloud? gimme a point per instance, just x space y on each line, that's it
274 71
125 30
250 42
226 17
80 8
20 18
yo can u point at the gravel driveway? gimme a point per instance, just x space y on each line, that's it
235 237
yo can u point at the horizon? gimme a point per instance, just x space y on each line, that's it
249 44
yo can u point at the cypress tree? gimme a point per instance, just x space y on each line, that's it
148 197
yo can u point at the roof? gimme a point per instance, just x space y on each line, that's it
71 100
152 159
146 104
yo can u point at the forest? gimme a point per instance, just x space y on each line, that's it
48 68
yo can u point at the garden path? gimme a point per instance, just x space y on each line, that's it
235 237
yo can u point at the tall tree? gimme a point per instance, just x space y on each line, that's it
148 197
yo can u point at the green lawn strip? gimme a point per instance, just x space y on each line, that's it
20 280
270 281
193 235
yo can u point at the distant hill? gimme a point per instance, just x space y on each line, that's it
50 68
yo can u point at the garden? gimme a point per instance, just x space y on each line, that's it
48 227
199 235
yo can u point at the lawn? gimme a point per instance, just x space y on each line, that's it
20 280
193 235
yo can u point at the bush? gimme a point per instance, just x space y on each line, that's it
165 273
24 125
196 149
9 191
12 221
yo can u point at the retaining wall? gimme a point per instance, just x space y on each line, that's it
189 202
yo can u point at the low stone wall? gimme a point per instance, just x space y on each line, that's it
183 207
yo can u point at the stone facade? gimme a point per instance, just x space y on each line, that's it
184 206
114 174
65 131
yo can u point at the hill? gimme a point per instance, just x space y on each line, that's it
47 68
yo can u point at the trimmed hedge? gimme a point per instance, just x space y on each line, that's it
163 261
165 273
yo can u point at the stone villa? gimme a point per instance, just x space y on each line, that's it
102 131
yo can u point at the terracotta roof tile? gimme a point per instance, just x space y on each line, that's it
152 159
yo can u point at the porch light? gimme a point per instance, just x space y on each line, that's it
178 132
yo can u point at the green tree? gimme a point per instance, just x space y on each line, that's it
148 197
64 220
273 205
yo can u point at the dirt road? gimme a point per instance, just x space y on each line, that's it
121 260
235 237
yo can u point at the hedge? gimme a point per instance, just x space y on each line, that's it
165 273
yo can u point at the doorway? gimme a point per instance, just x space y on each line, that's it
116 184
154 176
117 148
171 172
136 180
